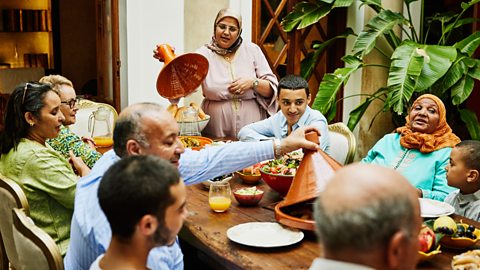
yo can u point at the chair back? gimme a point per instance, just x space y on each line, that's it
343 144
36 249
11 196
86 108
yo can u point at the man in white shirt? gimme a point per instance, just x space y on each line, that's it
293 99
368 217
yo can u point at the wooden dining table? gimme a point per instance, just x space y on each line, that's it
206 231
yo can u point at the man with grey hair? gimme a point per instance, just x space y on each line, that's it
368 217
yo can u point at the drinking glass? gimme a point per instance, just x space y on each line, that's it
219 196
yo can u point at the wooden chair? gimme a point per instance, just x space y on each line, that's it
11 196
85 110
36 249
343 144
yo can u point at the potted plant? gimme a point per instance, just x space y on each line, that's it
445 67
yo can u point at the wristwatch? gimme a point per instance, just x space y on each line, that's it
255 84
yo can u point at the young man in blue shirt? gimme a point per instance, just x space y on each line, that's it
293 98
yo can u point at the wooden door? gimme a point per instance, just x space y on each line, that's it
108 52
285 51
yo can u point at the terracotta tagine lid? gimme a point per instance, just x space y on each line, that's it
314 172
180 75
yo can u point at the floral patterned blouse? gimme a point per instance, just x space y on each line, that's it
67 140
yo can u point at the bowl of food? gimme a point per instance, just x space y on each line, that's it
248 195
195 142
465 236
429 246
279 173
250 175
221 179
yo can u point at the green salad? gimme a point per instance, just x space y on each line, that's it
286 165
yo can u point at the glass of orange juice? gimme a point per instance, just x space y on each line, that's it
219 196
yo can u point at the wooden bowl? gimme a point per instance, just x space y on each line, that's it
250 179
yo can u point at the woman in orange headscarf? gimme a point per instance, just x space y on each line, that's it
420 150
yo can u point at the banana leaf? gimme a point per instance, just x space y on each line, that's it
305 14
342 3
454 74
469 45
378 26
374 4
462 90
471 121
308 64
405 70
357 113
474 71
459 23
331 83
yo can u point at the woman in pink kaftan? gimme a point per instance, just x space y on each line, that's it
240 87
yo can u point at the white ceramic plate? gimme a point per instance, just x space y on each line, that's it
432 208
264 234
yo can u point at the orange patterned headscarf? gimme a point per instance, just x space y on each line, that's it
442 137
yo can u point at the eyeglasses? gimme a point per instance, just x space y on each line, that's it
71 103
224 27
25 91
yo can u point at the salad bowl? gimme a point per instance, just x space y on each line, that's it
279 173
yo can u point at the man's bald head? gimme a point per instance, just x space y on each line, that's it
363 206
129 125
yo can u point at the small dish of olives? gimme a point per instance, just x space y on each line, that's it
465 236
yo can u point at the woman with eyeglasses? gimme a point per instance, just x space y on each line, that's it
240 87
66 140
33 115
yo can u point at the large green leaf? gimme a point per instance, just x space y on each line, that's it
405 69
378 26
305 14
342 3
331 83
474 72
438 59
308 64
454 74
470 4
462 90
374 4
470 44
459 23
359 111
470 119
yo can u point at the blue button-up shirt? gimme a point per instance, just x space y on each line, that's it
90 232
276 126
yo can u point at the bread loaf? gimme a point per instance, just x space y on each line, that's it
201 113
172 108
179 115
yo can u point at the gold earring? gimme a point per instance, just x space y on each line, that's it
31 124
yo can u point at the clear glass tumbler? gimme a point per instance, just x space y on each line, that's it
219 196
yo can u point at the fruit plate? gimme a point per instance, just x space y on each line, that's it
460 242
264 234
432 208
